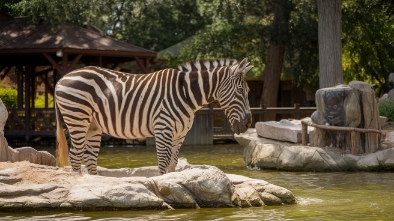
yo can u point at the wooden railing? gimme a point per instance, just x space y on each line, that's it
354 135
209 121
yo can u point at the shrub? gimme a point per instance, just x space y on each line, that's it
9 97
39 102
386 108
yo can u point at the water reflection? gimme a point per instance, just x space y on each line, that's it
320 196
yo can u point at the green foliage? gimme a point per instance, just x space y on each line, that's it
302 55
9 97
386 108
159 24
237 29
6 5
56 11
368 41
39 102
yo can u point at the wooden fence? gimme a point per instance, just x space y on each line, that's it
210 124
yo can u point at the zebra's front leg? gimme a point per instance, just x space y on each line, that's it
175 147
167 150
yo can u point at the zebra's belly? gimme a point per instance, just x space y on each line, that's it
128 130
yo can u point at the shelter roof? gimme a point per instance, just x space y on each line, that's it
20 33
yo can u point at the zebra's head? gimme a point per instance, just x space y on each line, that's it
233 97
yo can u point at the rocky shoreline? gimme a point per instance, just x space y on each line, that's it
27 186
264 153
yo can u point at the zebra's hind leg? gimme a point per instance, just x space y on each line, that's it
92 147
76 149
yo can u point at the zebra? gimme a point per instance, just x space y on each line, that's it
93 100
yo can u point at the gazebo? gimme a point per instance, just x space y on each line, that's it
40 52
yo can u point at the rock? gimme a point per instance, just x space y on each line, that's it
252 192
27 186
7 153
284 130
353 105
26 153
391 78
390 94
265 153
382 121
384 97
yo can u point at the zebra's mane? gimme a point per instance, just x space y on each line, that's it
205 64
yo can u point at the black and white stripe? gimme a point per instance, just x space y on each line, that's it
94 100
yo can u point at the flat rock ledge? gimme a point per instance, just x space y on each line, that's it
264 153
27 186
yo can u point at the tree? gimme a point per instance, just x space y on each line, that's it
153 24
276 55
368 42
330 46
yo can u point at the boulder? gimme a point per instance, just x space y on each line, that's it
27 186
284 130
7 153
266 153
353 105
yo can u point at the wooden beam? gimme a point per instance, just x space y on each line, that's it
47 85
28 71
43 72
65 66
5 71
74 62
143 68
53 62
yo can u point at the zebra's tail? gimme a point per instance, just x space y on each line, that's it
61 141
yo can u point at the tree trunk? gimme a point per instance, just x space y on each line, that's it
275 59
272 74
330 46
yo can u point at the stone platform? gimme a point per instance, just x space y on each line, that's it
267 153
27 186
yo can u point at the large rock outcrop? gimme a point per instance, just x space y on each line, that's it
272 154
19 154
354 105
27 186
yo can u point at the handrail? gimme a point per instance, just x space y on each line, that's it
353 133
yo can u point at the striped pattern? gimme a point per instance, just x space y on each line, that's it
93 100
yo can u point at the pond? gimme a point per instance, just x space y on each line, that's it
320 196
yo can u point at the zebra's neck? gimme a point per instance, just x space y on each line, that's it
200 87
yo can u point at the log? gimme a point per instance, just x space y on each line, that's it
304 133
370 113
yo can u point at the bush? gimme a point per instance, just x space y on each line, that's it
9 97
39 102
386 108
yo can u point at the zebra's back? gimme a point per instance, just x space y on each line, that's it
123 105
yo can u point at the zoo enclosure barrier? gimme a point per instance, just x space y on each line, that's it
210 123
354 135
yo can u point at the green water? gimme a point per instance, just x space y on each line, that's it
320 196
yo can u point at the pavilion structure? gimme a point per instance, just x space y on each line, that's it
39 54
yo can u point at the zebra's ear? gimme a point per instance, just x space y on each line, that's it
246 70
241 68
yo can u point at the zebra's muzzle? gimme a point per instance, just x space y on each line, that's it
243 125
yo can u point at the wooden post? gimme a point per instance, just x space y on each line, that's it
297 114
28 73
304 133
370 114
354 138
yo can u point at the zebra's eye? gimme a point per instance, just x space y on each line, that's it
240 90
